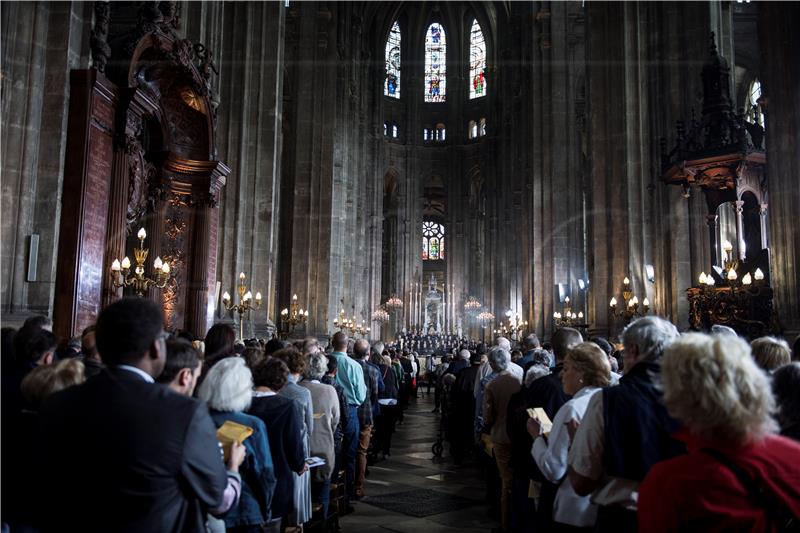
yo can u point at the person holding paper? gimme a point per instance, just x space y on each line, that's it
326 418
585 371
227 391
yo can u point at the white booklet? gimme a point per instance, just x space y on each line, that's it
315 461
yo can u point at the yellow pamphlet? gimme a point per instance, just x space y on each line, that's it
229 432
544 420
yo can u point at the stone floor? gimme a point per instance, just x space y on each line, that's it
412 466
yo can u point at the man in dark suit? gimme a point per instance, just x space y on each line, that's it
133 455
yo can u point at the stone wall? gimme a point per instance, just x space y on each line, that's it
42 41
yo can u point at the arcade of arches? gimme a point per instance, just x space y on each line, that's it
312 146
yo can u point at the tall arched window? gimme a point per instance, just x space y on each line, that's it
432 241
754 113
435 63
391 86
477 62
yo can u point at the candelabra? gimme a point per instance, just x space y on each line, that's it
245 304
631 308
744 304
344 323
121 275
381 315
568 318
361 329
515 325
472 305
394 303
293 316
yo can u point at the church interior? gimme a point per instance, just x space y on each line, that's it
403 172
302 145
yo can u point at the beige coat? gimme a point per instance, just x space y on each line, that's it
326 418
498 393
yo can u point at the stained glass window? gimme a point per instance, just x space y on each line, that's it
477 62
482 131
472 130
432 241
391 86
435 64
394 131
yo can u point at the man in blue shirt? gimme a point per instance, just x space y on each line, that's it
350 375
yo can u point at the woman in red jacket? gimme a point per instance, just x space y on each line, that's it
738 475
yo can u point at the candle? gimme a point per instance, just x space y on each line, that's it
758 275
732 275
226 297
626 281
747 279
702 278
613 302
165 268
126 263
142 234
115 266
157 264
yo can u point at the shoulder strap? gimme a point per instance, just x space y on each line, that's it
779 516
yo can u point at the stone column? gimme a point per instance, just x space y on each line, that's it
712 222
762 211
738 208
779 43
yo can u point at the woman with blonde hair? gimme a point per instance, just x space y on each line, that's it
737 475
586 370
771 353
45 380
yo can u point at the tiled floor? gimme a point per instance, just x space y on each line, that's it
412 466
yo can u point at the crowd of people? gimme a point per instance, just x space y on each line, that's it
126 419
670 432
120 432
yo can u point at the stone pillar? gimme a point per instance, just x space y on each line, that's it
712 221
779 43
738 209
762 211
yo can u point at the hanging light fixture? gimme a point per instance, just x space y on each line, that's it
394 303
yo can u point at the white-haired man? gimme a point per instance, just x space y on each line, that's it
626 429
486 369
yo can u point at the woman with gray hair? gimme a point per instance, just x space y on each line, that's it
738 475
227 389
326 418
